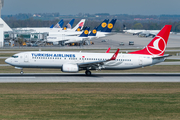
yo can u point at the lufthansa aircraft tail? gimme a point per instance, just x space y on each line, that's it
85 32
69 25
158 44
5 26
93 32
110 26
103 25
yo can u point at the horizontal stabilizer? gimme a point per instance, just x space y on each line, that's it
164 56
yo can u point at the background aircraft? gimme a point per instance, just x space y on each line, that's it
54 29
70 37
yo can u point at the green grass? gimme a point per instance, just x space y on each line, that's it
6 54
101 101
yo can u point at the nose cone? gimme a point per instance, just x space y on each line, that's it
7 61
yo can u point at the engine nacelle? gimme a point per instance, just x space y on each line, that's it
70 68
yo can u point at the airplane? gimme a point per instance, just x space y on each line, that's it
70 37
152 33
73 62
85 35
48 30
143 33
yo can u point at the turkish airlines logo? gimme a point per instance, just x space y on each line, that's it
157 46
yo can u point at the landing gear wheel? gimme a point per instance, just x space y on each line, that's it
21 72
88 73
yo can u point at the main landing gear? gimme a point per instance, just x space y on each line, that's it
21 72
88 73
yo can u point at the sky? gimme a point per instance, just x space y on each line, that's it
73 7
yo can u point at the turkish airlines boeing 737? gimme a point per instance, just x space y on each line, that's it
152 54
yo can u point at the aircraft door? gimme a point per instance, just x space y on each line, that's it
140 60
26 58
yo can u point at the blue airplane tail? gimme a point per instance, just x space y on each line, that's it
52 26
69 25
103 25
59 24
85 32
110 26
93 32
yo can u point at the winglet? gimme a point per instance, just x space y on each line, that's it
108 50
115 55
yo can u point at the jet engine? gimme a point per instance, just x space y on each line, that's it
70 68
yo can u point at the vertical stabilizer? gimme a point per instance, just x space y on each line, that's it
93 32
79 25
69 25
5 26
85 32
103 25
158 44
110 26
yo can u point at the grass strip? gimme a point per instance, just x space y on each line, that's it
101 101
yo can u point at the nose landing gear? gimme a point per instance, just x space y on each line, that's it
21 72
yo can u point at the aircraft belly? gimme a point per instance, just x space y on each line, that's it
41 64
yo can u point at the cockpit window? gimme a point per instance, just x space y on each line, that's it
15 56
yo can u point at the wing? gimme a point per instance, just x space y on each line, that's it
97 63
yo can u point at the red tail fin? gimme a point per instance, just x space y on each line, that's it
158 45
108 50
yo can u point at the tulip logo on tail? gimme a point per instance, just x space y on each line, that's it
110 25
103 24
157 47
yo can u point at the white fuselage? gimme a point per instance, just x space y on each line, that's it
72 36
44 30
43 59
